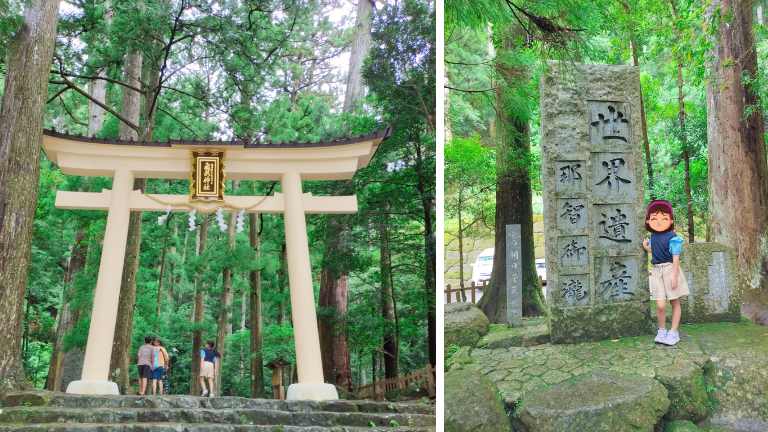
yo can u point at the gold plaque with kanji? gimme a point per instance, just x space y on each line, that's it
207 176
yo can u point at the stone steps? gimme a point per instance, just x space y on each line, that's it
63 400
183 427
43 411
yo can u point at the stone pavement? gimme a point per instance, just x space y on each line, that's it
731 357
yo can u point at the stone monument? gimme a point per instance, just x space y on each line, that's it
514 283
710 270
593 202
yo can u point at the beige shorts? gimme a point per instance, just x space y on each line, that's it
660 283
207 370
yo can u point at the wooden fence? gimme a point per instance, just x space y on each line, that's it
461 293
423 378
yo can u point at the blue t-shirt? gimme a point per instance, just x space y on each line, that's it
664 246
208 355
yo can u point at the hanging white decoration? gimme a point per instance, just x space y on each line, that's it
163 218
192 219
240 224
220 219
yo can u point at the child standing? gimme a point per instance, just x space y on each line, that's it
159 365
209 367
666 282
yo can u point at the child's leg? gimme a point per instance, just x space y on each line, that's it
142 386
154 386
202 384
160 386
676 312
661 313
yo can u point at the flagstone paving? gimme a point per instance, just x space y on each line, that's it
733 357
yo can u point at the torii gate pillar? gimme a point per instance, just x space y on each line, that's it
95 378
311 384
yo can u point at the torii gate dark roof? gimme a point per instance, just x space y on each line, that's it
336 159
381 134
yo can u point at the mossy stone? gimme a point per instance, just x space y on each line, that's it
685 384
681 426
27 398
534 331
600 322
597 402
465 324
472 404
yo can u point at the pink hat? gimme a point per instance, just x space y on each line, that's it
659 206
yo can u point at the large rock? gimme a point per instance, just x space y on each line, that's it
737 372
595 402
681 426
534 331
686 389
472 404
465 324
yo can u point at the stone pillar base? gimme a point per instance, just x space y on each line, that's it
315 392
93 387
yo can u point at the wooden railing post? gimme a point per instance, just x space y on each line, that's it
474 287
448 292
430 381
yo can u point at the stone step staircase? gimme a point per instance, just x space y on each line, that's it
49 411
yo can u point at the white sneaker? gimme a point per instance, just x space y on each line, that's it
210 394
661 336
672 338
205 393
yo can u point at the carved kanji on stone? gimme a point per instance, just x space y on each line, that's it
573 290
614 227
572 252
617 285
612 125
572 212
569 174
612 177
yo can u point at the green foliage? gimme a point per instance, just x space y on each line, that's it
495 54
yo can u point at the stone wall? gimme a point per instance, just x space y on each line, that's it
592 175
710 270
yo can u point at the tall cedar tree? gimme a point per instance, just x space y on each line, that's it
21 128
738 176
514 200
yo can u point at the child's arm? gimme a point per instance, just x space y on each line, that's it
647 245
675 270
675 248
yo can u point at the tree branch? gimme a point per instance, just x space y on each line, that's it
62 73
179 122
106 108
471 91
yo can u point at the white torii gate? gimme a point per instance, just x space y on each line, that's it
289 163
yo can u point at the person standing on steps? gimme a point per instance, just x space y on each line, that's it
159 365
210 359
666 282
144 363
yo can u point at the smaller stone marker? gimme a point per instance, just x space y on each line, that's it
710 270
514 276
